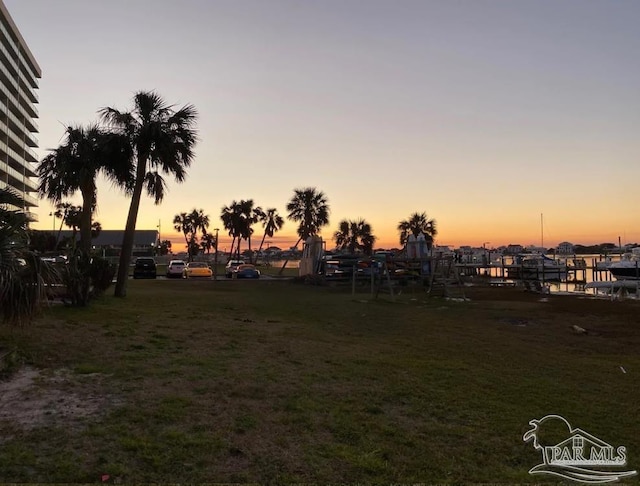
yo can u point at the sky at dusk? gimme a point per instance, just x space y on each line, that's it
485 114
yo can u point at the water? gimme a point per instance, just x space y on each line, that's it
565 284
279 263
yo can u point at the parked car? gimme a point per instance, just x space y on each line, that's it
145 267
197 270
247 271
339 266
175 269
232 266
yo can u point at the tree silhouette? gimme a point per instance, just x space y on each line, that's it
74 166
354 236
23 275
271 222
418 223
310 209
162 141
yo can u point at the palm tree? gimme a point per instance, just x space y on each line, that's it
249 215
355 236
238 219
75 164
162 141
310 208
416 224
199 221
208 242
271 222
182 223
23 275
61 214
73 220
189 224
164 247
96 229
230 216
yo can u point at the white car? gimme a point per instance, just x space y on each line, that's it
175 269
232 266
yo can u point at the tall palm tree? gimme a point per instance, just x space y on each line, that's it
355 236
23 275
416 224
162 141
74 166
230 216
189 224
249 215
271 222
182 223
238 219
199 221
310 209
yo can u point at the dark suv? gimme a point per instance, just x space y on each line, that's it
145 268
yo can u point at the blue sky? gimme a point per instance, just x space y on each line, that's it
482 113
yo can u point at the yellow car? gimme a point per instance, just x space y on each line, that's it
197 270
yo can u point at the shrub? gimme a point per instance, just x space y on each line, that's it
102 273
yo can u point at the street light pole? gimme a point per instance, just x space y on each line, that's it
215 264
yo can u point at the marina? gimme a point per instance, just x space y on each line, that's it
590 274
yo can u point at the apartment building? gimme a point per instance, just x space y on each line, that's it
19 74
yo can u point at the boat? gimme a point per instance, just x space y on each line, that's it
537 265
628 268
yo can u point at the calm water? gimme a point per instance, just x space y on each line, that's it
566 285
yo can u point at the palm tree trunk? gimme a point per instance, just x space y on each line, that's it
85 221
260 247
84 280
287 260
250 253
186 242
129 233
233 242
59 233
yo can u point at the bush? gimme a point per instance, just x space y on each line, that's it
102 273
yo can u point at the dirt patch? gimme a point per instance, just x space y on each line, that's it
32 398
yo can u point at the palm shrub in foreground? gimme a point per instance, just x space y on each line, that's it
102 272
23 276
85 276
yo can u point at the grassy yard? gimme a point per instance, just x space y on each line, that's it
271 381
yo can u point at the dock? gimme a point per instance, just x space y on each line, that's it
577 271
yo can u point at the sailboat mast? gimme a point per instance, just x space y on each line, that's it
542 230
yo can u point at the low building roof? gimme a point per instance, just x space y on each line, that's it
114 237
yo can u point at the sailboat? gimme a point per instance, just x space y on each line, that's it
538 265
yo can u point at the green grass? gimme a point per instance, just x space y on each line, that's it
276 382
